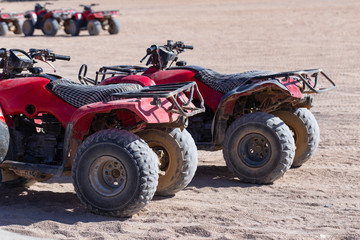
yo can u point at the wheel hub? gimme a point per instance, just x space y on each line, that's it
108 176
254 150
163 157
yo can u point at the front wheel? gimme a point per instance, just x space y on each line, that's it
74 27
115 173
3 28
51 26
114 26
258 148
18 26
94 27
28 27
306 132
177 154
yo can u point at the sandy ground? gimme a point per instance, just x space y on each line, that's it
320 200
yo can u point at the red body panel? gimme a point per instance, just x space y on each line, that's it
141 109
211 96
17 94
29 96
139 79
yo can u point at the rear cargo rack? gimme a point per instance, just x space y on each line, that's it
171 92
118 70
308 78
108 71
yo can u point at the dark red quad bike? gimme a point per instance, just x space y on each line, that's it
49 21
52 127
260 119
10 22
94 21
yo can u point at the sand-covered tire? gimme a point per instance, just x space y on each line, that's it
51 27
18 26
258 148
115 173
114 26
94 27
305 130
28 27
3 28
177 154
74 27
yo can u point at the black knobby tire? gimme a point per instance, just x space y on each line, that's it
3 28
50 27
28 27
305 130
258 148
94 27
114 26
74 27
115 173
18 26
177 155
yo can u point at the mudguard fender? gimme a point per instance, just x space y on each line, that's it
226 107
139 112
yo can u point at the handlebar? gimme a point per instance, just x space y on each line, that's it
62 57
153 52
47 54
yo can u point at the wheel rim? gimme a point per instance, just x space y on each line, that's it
254 150
163 157
48 27
108 176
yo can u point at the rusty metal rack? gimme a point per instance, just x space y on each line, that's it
308 78
172 93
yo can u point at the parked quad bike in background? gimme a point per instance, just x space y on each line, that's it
256 117
10 22
49 21
50 126
93 21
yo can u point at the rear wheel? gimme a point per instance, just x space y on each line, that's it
177 154
94 27
306 132
18 26
3 28
51 26
74 28
258 148
115 173
67 26
114 26
28 27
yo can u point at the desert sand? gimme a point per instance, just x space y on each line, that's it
320 200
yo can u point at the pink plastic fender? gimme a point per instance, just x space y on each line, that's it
130 111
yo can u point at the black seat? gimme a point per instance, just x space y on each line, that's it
225 82
79 95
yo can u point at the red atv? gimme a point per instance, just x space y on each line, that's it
93 21
258 118
51 126
48 21
10 21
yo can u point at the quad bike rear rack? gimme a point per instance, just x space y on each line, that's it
108 71
308 78
171 92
